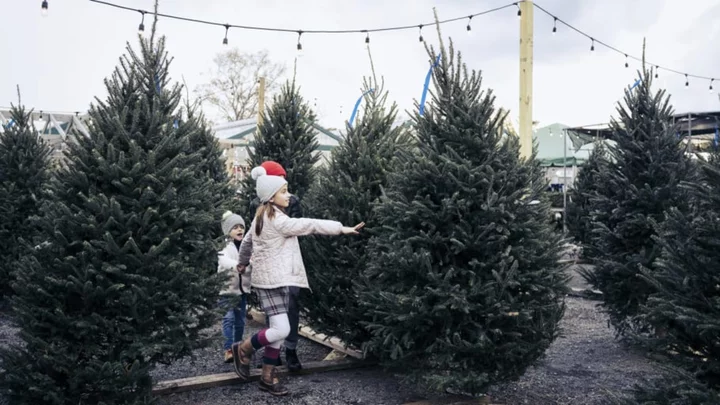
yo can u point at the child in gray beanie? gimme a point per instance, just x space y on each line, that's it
234 294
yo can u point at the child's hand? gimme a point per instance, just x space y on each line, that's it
347 230
241 269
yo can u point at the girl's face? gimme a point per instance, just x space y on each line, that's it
237 232
281 198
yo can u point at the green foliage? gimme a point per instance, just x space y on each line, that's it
676 388
346 189
126 277
579 221
686 301
463 284
286 136
639 186
24 174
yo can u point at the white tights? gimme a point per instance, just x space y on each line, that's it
279 329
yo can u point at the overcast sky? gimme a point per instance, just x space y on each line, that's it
60 60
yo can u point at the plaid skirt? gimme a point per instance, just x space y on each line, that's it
274 301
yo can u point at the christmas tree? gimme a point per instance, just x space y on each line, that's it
463 285
686 301
579 222
640 184
675 388
346 189
24 174
286 136
128 276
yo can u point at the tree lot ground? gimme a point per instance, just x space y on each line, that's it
582 366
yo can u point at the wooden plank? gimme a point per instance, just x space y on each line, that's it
335 355
454 400
308 333
329 341
223 379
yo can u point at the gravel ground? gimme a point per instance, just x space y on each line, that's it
210 359
581 367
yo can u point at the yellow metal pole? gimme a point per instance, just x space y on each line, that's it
526 77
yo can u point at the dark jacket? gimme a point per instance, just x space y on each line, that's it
294 210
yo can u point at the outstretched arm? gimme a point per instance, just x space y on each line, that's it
308 226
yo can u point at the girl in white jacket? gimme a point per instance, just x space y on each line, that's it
277 264
234 295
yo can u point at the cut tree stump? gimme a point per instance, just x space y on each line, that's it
219 380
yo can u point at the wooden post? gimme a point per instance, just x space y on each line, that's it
526 77
261 101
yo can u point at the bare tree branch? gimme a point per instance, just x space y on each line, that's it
233 84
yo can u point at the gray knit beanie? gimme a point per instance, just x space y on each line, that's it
265 185
229 220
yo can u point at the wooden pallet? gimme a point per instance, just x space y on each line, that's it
223 379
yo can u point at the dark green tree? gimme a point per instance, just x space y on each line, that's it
640 184
345 190
675 388
286 136
127 277
579 222
686 301
24 176
463 285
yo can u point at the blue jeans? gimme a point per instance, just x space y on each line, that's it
233 323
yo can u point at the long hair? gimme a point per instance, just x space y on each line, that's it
266 208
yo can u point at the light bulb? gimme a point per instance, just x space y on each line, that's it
44 8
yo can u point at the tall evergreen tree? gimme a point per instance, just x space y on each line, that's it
346 189
24 175
640 185
686 301
463 284
286 136
579 222
127 278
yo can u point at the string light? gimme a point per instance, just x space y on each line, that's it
626 61
711 82
299 45
141 27
44 8
397 28
227 28
367 39
612 48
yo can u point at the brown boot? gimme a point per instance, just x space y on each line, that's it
269 381
242 356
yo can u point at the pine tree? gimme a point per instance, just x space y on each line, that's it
463 284
640 184
127 276
346 189
579 222
24 175
686 301
675 388
286 136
